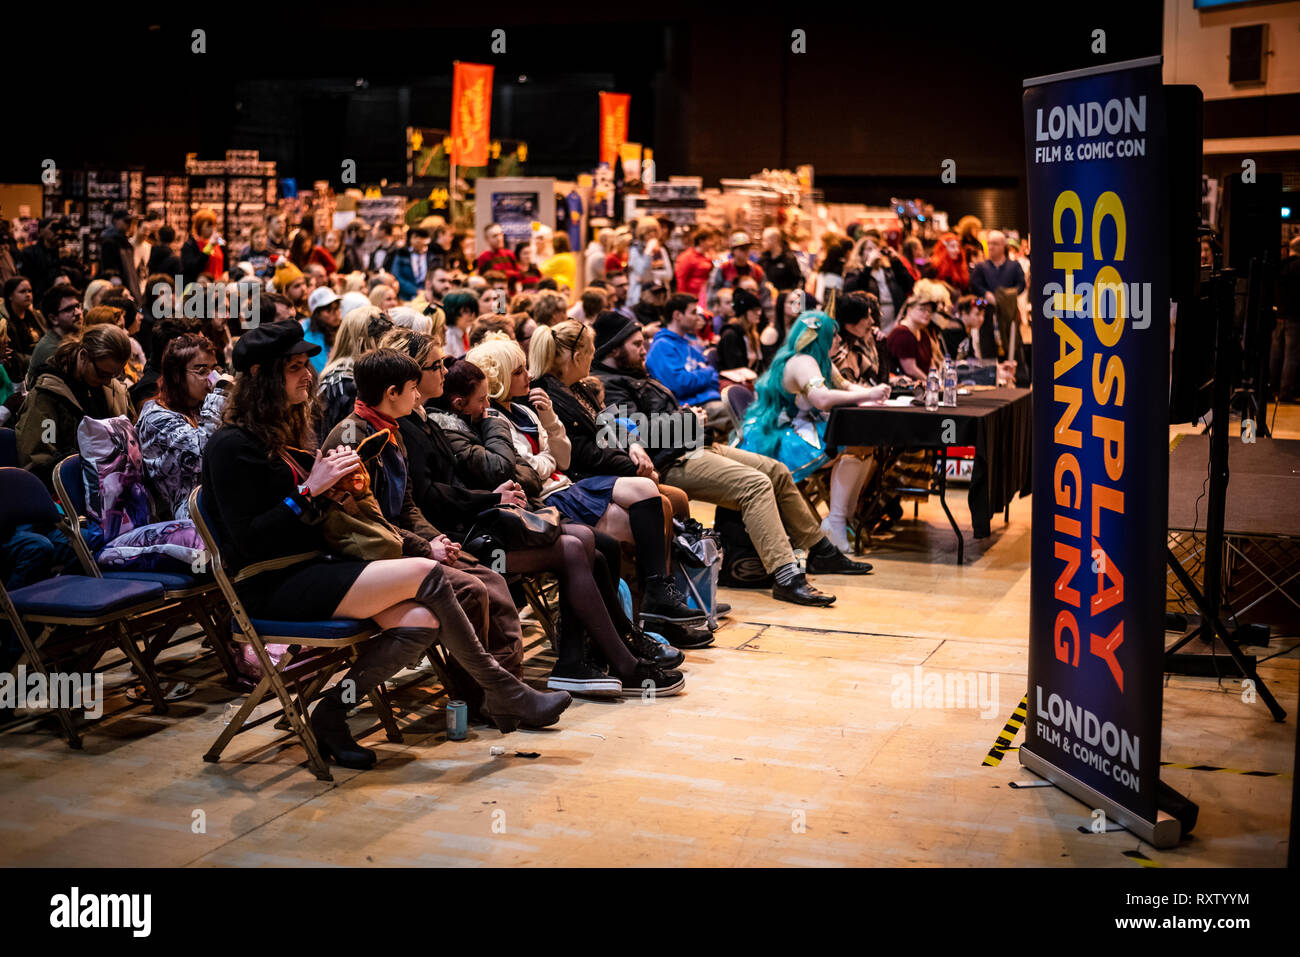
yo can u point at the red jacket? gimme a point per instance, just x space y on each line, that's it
502 260
693 268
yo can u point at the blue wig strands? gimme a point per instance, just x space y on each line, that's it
763 424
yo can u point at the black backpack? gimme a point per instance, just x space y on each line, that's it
741 566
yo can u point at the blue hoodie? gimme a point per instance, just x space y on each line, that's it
680 365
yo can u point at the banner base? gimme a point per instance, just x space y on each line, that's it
1164 833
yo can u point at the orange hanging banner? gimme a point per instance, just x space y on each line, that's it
471 113
613 124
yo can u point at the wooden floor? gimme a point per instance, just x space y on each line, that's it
786 749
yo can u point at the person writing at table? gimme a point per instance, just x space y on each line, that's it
913 343
788 419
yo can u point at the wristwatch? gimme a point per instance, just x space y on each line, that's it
304 491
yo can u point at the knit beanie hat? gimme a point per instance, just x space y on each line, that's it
286 274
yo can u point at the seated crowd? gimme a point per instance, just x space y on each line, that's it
419 389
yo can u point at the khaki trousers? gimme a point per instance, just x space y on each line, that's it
763 491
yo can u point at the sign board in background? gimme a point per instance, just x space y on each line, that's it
1097 175
512 199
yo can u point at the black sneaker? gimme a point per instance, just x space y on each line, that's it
662 601
685 636
651 681
583 678
721 608
643 646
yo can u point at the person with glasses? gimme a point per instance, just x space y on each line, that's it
83 378
914 342
174 427
359 332
63 317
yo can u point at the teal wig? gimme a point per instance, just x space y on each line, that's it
812 334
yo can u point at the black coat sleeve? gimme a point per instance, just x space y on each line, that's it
250 492
732 353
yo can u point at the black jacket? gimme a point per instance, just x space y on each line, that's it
245 494
588 457
439 492
781 271
193 260
629 391
41 267
163 260
485 451
899 279
733 353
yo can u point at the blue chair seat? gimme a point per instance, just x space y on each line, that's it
79 596
333 629
171 581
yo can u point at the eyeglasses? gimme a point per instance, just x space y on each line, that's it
112 373
203 371
75 307
439 365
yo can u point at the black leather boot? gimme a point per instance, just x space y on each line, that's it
333 737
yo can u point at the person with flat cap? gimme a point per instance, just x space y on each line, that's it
759 487
264 502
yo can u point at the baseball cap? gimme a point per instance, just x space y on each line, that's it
320 298
740 238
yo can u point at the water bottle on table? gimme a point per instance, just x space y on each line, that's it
932 389
949 384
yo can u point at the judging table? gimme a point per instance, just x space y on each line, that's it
997 422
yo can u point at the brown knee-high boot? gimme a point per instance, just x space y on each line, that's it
507 701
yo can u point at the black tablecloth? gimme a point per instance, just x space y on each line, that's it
997 422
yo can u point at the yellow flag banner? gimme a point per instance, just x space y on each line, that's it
613 124
471 113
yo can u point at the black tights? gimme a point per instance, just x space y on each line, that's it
573 558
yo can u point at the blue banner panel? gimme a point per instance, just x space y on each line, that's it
1095 148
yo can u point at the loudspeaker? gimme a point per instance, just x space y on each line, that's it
1183 117
1248 55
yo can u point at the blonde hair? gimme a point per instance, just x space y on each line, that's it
95 291
354 282
353 336
498 356
644 225
379 294
548 342
414 344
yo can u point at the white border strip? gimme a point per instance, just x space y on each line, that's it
1094 70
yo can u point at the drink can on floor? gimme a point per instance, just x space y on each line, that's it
457 720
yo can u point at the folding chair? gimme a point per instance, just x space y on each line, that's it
737 400
189 596
328 644
536 590
86 613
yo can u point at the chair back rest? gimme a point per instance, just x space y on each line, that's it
738 399
70 489
8 448
24 500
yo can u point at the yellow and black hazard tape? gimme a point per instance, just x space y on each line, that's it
1210 767
1008 734
1140 858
